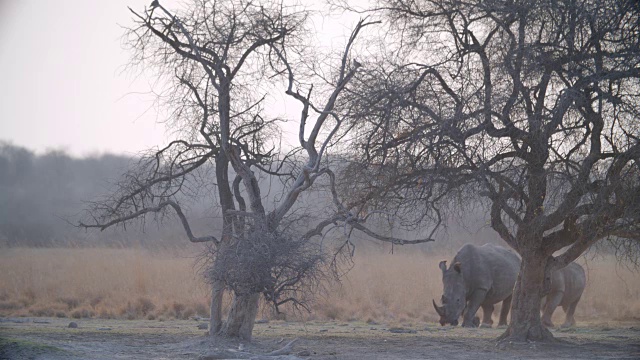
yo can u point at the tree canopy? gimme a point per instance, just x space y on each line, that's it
220 61
530 106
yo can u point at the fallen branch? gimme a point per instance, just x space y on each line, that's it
285 350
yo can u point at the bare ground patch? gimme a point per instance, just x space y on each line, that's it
50 338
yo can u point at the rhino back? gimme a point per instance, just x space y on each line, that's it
489 267
571 280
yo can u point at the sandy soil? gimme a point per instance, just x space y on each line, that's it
51 338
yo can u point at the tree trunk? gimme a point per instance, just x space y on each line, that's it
526 324
242 316
215 321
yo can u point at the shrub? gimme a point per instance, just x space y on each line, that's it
82 313
71 303
144 306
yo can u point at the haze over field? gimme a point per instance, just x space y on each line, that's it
155 273
42 197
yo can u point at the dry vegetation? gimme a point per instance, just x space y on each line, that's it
106 283
138 284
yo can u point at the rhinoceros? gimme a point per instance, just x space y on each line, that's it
480 276
567 285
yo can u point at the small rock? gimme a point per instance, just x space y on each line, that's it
73 325
304 353
104 329
402 331
219 354
566 330
323 330
203 326
262 321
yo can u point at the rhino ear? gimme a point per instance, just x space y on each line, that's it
443 265
457 267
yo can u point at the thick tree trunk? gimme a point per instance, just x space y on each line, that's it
526 324
215 322
242 316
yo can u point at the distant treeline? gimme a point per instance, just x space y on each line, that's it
41 196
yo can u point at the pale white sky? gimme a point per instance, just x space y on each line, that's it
62 84
61 79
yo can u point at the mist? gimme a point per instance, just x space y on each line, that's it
43 196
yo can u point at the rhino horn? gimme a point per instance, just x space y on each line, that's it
439 310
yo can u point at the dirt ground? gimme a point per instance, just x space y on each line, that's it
51 338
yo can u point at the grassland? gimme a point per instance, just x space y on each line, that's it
140 284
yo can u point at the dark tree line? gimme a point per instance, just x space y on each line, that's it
41 194
37 192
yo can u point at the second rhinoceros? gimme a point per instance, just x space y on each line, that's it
567 285
481 276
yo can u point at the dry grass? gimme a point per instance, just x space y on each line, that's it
400 288
108 283
385 287
136 284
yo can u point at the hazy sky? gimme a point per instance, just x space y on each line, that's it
62 81
62 84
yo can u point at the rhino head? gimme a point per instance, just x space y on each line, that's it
454 296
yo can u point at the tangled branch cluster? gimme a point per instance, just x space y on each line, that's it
283 268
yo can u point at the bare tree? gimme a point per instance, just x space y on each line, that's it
220 60
532 106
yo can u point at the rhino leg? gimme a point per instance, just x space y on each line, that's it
570 320
504 311
472 306
553 300
487 311
476 321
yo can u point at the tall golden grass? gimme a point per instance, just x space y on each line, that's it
400 287
133 283
109 283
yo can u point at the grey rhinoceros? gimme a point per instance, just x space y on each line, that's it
567 285
480 276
